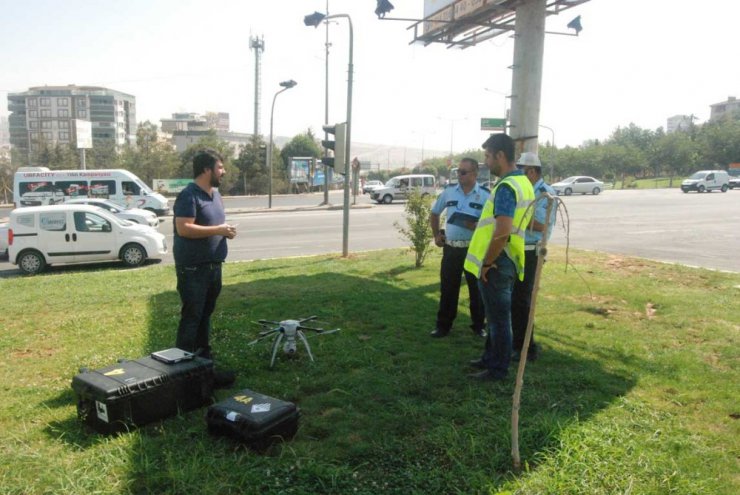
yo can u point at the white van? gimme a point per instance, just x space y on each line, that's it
39 186
398 187
707 180
42 235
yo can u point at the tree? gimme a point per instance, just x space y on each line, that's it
151 158
252 167
418 231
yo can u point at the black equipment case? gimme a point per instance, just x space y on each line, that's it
253 418
132 393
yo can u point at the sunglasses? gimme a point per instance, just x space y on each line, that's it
464 172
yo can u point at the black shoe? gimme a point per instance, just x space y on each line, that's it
477 363
481 332
223 378
485 376
437 333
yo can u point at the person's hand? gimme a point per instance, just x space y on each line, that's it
484 271
228 231
439 239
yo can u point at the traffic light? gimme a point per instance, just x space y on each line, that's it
339 146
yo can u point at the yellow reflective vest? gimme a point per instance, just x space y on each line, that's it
483 234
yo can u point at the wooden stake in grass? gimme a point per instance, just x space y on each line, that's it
542 248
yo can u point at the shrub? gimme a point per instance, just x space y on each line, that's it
418 232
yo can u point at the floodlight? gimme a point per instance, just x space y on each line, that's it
313 19
575 24
384 6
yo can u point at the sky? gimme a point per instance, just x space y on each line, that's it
636 61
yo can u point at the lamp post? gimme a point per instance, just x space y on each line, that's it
314 20
552 165
286 85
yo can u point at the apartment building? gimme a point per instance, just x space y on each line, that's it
47 114
719 110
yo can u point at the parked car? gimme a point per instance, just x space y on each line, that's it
44 235
734 182
398 187
3 240
707 180
136 215
370 185
578 184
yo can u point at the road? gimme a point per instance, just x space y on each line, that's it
661 224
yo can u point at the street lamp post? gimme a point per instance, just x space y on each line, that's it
314 20
286 85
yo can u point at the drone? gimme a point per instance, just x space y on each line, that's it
290 329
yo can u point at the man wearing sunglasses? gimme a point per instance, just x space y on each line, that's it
463 203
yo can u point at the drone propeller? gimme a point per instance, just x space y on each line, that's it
266 322
307 319
320 331
261 337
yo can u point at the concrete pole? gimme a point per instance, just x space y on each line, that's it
526 81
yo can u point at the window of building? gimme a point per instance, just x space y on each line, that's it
62 112
34 124
33 102
47 135
46 124
45 102
34 136
82 113
63 136
64 124
62 102
45 112
81 102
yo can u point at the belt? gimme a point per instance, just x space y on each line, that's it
458 244
530 247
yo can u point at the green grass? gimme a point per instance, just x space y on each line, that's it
621 401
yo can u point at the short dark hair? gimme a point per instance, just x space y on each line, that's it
500 142
472 162
205 159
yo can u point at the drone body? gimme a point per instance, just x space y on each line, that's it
292 332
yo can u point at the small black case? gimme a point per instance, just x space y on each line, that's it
253 418
132 393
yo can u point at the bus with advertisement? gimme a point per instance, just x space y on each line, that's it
39 186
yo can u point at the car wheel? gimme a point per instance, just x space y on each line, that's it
387 199
596 191
724 188
700 189
133 255
31 262
568 191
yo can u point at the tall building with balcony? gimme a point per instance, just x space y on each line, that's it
46 114
679 123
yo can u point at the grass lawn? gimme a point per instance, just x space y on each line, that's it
636 391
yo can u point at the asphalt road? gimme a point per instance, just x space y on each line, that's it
663 224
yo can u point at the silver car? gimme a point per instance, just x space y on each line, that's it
578 184
136 215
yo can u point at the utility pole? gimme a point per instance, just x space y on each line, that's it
328 171
526 80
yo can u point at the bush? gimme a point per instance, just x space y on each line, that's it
418 231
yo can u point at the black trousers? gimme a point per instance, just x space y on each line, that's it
450 275
521 301
199 287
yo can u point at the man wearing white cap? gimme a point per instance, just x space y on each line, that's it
521 297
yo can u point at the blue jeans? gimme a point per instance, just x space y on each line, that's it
199 287
496 294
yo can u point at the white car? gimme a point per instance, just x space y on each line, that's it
44 235
370 185
580 184
136 215
3 240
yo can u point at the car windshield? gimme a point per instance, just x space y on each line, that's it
698 175
568 180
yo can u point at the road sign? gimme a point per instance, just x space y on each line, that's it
492 124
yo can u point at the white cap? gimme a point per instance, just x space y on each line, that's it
529 159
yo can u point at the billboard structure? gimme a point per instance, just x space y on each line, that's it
465 23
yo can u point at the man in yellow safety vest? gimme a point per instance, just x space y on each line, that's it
496 253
